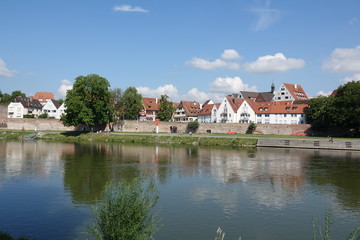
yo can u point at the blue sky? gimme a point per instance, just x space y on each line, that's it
189 49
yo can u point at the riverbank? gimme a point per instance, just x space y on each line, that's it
231 140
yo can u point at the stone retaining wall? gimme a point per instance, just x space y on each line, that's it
149 126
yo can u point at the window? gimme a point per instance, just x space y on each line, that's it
286 97
259 115
266 115
285 115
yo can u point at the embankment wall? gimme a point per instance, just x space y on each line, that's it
137 126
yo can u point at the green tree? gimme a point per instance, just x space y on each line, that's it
321 113
341 110
88 102
17 93
6 98
166 108
117 100
132 103
126 212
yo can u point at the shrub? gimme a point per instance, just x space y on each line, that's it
126 212
28 116
251 128
44 115
192 126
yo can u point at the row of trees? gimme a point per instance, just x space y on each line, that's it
6 98
91 102
340 110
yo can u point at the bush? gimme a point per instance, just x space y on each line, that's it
44 115
251 128
192 126
28 116
126 212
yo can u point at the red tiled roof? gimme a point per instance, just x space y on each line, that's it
206 110
281 107
296 91
235 103
151 104
43 96
191 108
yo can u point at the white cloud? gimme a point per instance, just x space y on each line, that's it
266 16
325 94
128 8
355 77
223 62
230 54
226 85
167 89
218 89
272 64
64 87
4 71
344 60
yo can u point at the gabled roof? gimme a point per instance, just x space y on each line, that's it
296 91
28 102
206 110
249 95
151 104
43 96
235 103
264 96
56 103
191 108
280 107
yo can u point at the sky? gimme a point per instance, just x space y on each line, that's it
190 49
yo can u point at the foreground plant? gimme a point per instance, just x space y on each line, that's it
126 212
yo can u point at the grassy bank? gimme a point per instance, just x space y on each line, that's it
150 139
13 134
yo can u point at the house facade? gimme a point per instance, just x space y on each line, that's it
290 92
24 106
52 109
187 111
208 112
43 97
150 109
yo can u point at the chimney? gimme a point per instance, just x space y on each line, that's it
295 85
156 100
272 88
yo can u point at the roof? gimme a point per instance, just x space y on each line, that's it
206 110
249 95
151 104
42 96
296 91
264 96
280 107
28 102
235 103
191 108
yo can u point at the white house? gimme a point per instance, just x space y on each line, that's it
187 111
279 112
234 110
24 106
208 112
290 92
51 107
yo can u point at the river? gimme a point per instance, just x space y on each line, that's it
47 189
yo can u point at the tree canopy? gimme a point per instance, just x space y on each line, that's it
88 102
132 103
341 110
166 108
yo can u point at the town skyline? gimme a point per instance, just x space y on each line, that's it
187 50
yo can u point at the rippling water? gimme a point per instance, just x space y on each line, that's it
47 189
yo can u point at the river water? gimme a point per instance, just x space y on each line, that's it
47 189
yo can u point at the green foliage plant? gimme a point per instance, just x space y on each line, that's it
88 102
193 126
251 128
132 103
44 115
126 212
166 108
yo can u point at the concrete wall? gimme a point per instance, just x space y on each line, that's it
149 126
